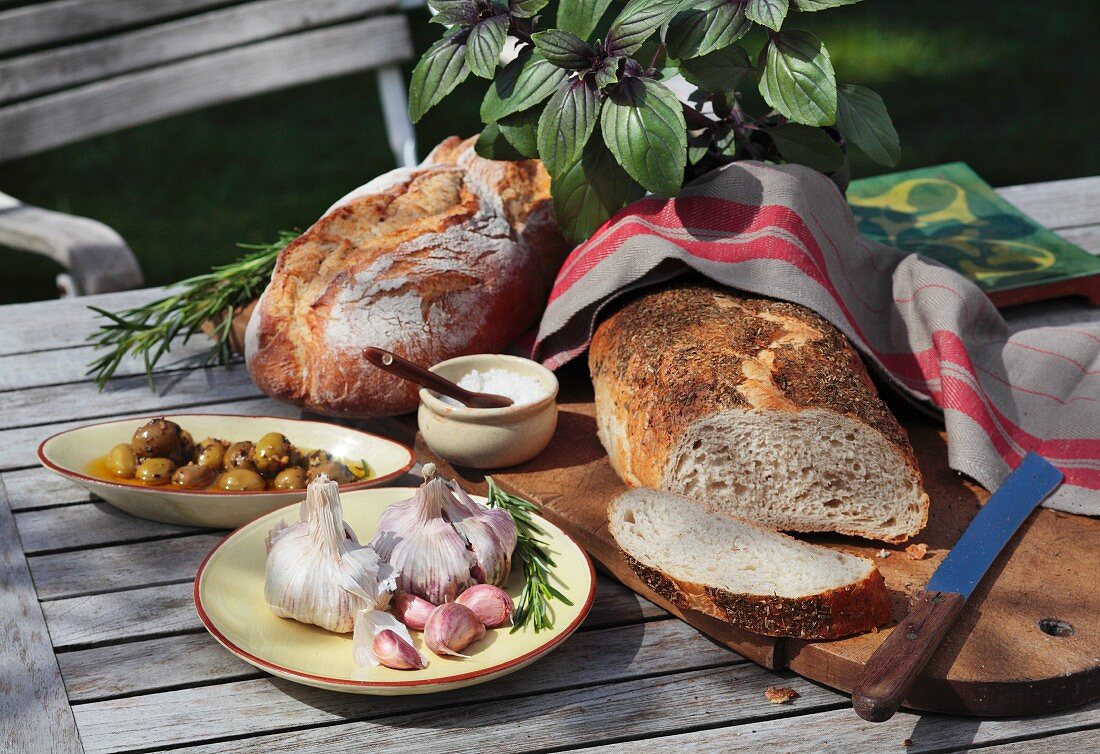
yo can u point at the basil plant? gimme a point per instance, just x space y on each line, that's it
593 108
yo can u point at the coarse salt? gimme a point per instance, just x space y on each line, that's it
521 388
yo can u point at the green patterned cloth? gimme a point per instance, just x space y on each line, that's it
950 214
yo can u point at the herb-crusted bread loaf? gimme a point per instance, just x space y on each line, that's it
452 257
761 580
760 408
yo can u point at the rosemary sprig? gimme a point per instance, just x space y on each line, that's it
533 605
148 331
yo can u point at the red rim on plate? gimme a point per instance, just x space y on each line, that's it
360 485
542 649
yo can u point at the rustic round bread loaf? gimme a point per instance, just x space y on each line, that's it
759 408
452 257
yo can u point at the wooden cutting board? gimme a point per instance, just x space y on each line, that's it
997 660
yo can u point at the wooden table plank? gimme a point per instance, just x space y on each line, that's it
83 400
141 667
159 664
1085 236
67 365
79 572
118 616
505 718
88 525
148 612
39 488
1058 204
44 325
1065 313
840 730
1082 740
34 711
18 446
557 720
179 662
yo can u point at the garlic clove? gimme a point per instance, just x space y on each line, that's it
411 610
394 652
451 628
491 604
369 625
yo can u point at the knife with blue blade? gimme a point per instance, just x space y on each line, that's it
892 669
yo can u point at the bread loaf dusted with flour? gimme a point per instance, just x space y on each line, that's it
452 257
760 408
764 581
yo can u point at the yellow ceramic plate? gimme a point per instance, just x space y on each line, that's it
70 453
229 597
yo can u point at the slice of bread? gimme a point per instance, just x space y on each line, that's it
758 579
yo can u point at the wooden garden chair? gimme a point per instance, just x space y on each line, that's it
74 69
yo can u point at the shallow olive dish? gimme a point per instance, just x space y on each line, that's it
70 454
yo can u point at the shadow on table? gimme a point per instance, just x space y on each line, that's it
934 732
602 651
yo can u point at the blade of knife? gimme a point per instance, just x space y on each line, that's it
991 529
892 669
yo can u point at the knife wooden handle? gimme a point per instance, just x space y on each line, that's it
891 670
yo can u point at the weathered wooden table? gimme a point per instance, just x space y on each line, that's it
101 649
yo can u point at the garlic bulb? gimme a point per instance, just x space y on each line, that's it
489 531
316 570
491 604
440 542
451 628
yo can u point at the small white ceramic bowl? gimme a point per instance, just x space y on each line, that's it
488 438
70 453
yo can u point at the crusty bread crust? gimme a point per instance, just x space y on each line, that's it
454 257
833 614
678 354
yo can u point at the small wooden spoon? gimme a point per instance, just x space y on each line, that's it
407 370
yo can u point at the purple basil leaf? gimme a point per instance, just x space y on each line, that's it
566 124
440 70
564 50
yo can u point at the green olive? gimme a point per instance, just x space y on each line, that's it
317 457
158 438
155 471
211 453
121 461
335 471
239 456
193 476
293 478
237 480
273 453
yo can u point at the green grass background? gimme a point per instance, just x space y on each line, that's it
1004 85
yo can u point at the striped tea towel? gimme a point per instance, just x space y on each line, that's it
786 231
